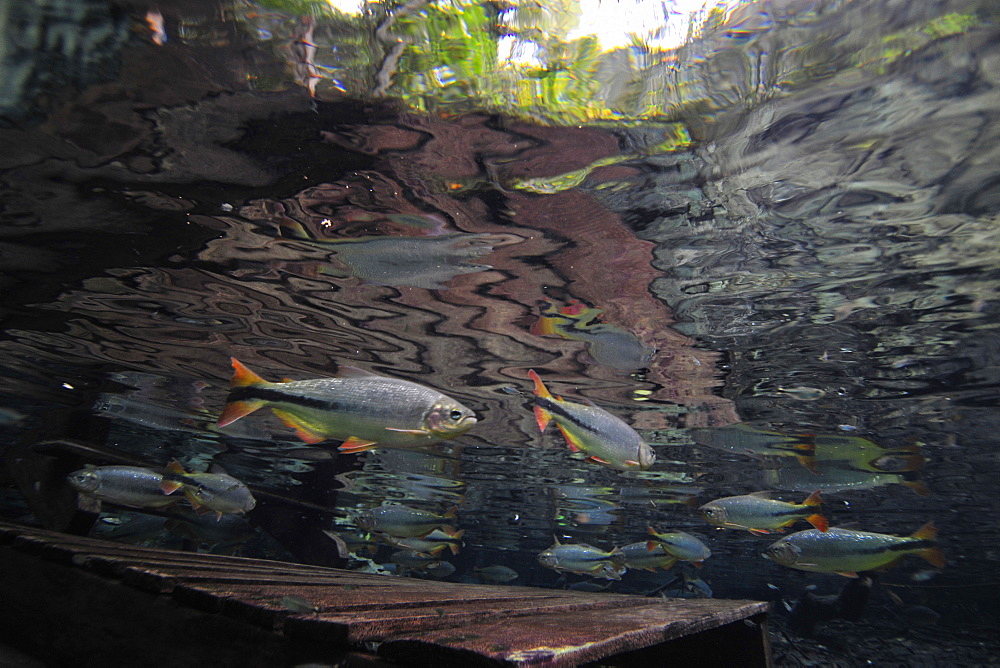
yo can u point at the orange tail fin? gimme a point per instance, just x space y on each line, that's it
242 376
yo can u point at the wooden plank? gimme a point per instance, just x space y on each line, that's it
415 621
567 640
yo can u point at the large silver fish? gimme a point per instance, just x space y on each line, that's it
131 486
584 559
363 409
848 552
605 439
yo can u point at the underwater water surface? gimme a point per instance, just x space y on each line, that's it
764 235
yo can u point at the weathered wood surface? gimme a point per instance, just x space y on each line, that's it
412 621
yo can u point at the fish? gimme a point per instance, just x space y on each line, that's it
608 344
496 573
440 570
363 409
584 559
759 514
641 556
405 522
411 559
433 544
683 546
132 486
215 492
848 552
749 440
604 438
837 476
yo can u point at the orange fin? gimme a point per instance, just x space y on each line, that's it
918 487
540 389
418 432
234 410
935 557
598 460
175 467
809 462
573 444
170 486
698 564
542 418
242 376
302 430
847 574
451 513
818 521
759 532
813 500
354 444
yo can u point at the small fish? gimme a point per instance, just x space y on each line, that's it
583 559
404 522
848 552
642 556
803 393
440 570
131 486
299 605
604 438
683 546
361 408
209 492
496 573
749 440
607 343
762 515
433 544
414 560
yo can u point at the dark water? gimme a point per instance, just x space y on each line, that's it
788 221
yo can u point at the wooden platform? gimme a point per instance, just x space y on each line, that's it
67 598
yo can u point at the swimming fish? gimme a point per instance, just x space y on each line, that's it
848 552
433 543
364 409
215 492
404 522
757 513
583 559
605 439
497 573
608 344
749 440
641 556
683 546
132 486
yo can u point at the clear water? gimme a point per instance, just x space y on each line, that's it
783 215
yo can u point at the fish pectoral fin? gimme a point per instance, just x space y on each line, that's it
304 431
418 432
847 574
760 532
598 460
354 444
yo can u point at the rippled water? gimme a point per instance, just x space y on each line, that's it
789 221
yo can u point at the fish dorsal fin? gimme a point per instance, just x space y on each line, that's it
346 371
556 539
175 467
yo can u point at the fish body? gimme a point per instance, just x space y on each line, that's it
209 492
604 438
683 546
642 556
433 544
848 552
746 439
362 409
132 486
759 514
496 573
834 476
583 559
403 521
414 560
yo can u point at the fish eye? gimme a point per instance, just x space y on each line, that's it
455 415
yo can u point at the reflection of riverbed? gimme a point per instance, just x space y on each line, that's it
817 258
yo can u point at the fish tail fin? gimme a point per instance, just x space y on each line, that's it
451 513
808 461
540 389
542 416
242 376
170 486
175 467
819 522
234 410
935 557
918 487
813 500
